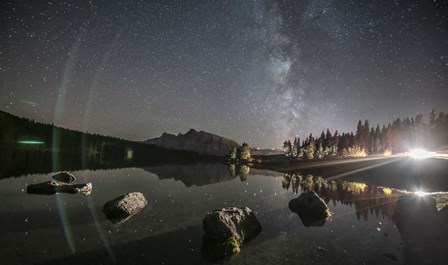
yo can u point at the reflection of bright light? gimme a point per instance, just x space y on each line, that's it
441 156
30 142
130 154
420 193
421 154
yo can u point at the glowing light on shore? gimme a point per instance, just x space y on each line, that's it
421 154
421 193
30 142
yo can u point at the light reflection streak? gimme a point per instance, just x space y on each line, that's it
68 70
387 161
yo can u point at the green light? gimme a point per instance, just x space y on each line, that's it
30 142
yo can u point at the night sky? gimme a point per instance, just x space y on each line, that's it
255 71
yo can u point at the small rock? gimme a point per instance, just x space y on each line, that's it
227 229
390 256
84 189
124 207
64 177
48 188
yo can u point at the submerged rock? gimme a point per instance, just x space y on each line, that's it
47 188
412 205
124 207
423 228
227 229
64 178
390 256
312 210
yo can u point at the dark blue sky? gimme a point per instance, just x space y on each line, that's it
254 71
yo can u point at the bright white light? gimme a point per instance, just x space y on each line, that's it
421 154
420 193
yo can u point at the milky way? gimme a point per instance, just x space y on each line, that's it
254 71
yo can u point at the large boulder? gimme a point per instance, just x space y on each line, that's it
124 207
63 178
227 229
48 188
312 210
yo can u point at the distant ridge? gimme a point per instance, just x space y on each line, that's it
266 152
200 142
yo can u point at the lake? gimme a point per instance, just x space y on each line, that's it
72 228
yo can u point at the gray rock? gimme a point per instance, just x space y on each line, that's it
64 178
47 188
124 207
312 210
227 229
84 189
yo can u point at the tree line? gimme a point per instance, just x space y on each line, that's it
240 153
23 141
398 136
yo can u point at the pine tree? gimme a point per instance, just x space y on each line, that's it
233 153
311 148
245 152
287 148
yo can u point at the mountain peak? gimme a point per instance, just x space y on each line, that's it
200 142
191 131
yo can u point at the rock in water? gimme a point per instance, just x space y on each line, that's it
124 207
227 229
64 177
312 210
47 188
84 189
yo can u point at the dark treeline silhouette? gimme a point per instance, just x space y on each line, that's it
398 136
28 146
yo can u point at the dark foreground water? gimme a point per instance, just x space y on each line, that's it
72 229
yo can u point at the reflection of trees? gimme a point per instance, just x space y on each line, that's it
241 171
366 199
199 174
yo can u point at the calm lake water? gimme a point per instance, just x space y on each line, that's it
72 229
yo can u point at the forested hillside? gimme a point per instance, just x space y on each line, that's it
28 144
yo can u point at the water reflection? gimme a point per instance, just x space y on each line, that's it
239 171
367 199
17 162
422 221
194 175
180 196
423 228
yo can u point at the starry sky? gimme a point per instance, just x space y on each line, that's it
250 70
